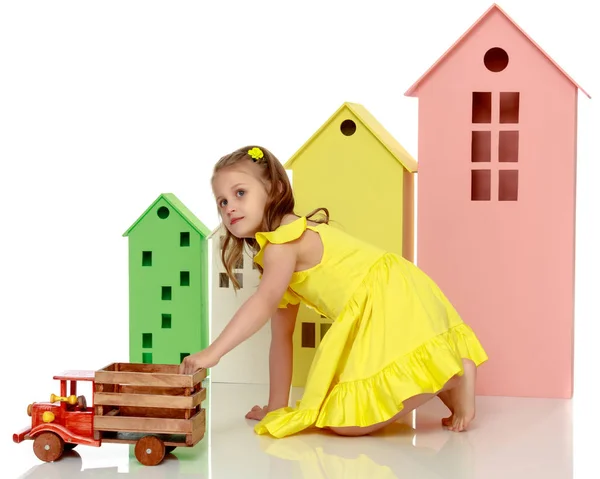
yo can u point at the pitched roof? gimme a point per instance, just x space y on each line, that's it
371 124
412 90
178 206
215 231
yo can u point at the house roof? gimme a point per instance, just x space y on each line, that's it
178 206
215 231
413 89
371 124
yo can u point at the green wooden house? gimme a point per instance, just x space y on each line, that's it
168 283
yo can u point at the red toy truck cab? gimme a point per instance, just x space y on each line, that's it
63 422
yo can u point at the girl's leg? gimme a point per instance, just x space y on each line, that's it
461 388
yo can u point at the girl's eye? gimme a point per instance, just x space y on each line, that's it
241 192
223 203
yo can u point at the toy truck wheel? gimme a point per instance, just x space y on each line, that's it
150 450
48 447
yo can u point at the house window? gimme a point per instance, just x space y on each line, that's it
495 59
165 321
146 340
146 258
481 185
223 280
184 278
163 212
508 146
166 293
482 107
308 335
481 146
324 328
239 263
182 356
147 358
184 238
495 146
348 127
508 182
509 107
239 277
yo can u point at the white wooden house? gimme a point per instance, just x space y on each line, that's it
249 362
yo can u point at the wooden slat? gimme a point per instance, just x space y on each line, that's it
150 400
198 427
150 379
144 379
143 424
133 441
147 368
134 411
198 376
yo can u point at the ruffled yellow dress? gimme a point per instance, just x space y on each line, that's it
394 335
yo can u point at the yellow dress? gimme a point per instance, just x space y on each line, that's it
394 335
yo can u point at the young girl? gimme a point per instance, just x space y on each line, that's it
395 343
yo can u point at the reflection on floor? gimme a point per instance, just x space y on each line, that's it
511 438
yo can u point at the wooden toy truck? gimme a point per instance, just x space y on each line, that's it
149 405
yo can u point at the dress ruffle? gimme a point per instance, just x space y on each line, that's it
284 234
424 370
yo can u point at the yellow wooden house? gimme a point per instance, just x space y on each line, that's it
356 169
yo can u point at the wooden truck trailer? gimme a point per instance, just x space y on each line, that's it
149 405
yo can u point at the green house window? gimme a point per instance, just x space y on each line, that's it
166 321
146 258
184 278
166 293
184 238
146 340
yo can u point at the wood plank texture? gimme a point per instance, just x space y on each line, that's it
150 400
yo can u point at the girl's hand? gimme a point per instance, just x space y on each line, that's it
257 413
201 360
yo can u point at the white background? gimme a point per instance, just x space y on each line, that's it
106 104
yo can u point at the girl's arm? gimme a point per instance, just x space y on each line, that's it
278 266
281 356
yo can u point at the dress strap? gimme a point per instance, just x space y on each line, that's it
283 234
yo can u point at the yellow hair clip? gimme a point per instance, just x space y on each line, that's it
256 154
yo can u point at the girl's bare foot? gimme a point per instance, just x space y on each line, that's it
446 398
461 399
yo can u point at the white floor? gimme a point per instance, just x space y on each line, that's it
511 438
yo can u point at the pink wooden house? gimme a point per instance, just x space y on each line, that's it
496 201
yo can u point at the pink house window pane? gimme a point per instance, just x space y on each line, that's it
481 146
508 185
508 146
481 185
509 107
482 107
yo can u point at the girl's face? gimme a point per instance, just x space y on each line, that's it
241 197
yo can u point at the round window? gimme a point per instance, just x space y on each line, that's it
495 59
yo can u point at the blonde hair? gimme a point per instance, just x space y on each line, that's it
280 202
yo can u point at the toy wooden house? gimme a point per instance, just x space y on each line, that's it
355 168
248 362
168 283
496 201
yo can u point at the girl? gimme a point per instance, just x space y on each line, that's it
395 343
